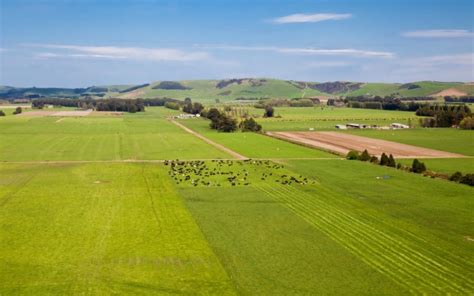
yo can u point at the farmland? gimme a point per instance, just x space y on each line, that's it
137 137
134 204
451 140
324 118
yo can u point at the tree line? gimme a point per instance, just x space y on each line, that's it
224 123
462 99
121 105
385 103
416 167
443 115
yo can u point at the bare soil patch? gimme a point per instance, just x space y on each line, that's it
342 143
78 113
106 113
449 92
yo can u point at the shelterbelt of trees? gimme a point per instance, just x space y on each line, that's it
446 116
121 105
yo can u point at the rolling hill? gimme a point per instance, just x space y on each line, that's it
246 89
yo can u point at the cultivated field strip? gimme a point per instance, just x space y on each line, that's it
407 261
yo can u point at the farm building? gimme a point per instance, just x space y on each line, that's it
398 125
186 116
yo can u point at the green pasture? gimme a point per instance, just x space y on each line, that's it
322 117
254 145
358 218
137 136
100 229
445 139
445 165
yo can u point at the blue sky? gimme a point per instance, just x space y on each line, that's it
80 43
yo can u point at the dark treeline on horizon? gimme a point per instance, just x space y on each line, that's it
121 105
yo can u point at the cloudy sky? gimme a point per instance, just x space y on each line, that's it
68 43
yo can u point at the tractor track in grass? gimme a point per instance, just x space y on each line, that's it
389 253
209 141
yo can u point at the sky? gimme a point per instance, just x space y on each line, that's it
79 43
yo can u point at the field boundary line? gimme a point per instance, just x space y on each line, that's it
209 141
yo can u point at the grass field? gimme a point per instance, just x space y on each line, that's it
254 145
137 136
297 222
377 225
445 139
447 166
100 229
326 118
127 228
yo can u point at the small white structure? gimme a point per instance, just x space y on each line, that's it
353 125
341 126
398 125
187 116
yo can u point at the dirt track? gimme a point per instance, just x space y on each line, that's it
218 146
57 113
342 143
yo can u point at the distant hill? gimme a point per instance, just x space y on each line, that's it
246 89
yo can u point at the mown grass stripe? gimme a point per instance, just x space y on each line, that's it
417 269
355 237
402 242
409 252
348 245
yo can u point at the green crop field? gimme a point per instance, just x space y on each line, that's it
100 229
255 145
446 165
77 217
128 137
326 118
373 226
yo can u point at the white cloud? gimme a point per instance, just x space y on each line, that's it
438 34
114 52
307 51
310 18
464 59
328 64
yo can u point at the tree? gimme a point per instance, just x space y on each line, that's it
187 101
172 105
456 177
384 159
391 161
227 124
374 159
213 113
352 155
18 110
467 123
417 166
364 156
250 125
197 108
467 179
2 113
268 111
